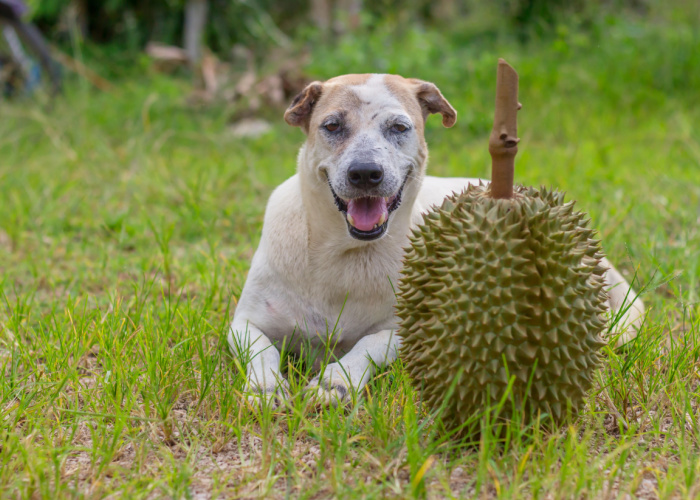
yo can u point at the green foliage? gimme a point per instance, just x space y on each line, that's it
130 24
47 8
262 24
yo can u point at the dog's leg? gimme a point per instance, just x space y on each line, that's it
353 371
623 303
261 360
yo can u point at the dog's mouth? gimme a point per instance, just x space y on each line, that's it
367 217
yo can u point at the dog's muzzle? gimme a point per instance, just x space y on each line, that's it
367 217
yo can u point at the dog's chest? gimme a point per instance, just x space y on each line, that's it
349 295
360 287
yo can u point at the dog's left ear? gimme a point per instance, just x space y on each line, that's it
298 113
432 101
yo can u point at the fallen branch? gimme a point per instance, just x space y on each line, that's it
80 68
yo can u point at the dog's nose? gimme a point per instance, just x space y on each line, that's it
365 175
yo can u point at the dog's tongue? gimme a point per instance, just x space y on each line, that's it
367 212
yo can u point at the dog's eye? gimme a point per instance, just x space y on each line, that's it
332 127
400 128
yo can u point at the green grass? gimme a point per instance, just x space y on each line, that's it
127 225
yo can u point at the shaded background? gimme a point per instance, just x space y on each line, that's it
153 131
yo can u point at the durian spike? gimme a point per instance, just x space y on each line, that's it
503 142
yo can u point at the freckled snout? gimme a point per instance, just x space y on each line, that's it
365 175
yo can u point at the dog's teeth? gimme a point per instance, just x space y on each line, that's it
375 226
382 219
351 220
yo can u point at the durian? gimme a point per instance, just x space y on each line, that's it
501 283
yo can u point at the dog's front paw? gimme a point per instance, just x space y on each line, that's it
272 396
332 388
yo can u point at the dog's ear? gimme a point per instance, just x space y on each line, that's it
432 101
298 113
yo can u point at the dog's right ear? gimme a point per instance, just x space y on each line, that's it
298 113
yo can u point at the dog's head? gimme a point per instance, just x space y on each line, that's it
365 140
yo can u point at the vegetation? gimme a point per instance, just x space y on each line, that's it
128 220
263 24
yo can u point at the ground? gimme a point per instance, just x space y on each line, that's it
128 220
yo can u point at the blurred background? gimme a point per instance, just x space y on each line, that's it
248 55
158 124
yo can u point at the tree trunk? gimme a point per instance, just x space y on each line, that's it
443 10
195 20
347 16
81 17
321 14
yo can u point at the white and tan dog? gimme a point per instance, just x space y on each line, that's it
333 236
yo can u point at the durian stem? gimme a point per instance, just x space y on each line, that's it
503 142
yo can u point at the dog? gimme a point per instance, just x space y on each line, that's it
334 235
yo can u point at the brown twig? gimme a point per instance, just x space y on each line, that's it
503 142
81 69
